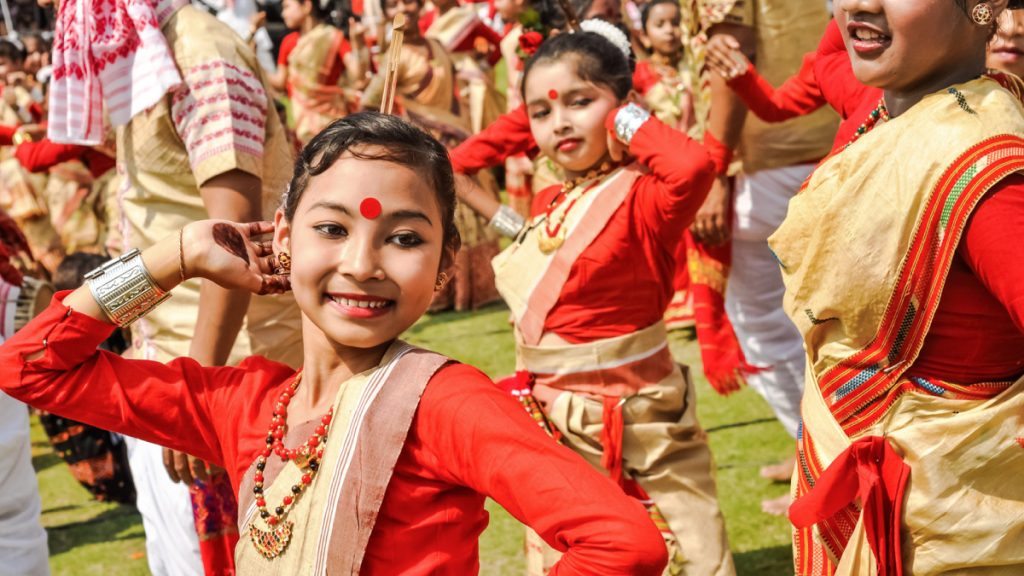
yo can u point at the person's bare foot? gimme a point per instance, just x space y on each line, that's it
781 472
777 506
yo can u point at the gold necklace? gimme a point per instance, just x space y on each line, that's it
550 239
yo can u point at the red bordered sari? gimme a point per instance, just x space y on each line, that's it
900 474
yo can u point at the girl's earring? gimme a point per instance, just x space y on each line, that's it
982 14
442 279
284 264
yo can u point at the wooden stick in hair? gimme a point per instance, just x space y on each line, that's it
571 19
391 65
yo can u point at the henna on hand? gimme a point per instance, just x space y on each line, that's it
229 238
274 284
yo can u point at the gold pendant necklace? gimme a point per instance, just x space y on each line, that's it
549 244
270 544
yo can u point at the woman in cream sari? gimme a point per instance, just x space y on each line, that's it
320 69
901 258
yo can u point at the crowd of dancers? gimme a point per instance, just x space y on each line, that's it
242 210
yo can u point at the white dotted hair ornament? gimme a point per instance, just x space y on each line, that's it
610 33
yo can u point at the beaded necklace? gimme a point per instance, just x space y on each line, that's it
877 116
552 238
307 456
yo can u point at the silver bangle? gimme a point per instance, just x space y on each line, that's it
124 289
507 221
628 121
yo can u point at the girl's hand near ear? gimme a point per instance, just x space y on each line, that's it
232 255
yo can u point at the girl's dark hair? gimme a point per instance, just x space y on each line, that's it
397 141
597 60
646 11
11 51
321 9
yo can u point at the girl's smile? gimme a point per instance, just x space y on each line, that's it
360 306
867 39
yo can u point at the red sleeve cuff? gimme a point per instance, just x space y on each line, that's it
721 155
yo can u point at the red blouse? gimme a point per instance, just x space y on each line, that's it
623 281
826 77
45 154
978 331
645 76
468 440
507 136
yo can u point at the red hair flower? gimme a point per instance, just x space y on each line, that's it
530 41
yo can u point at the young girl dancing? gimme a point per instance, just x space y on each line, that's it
589 278
376 457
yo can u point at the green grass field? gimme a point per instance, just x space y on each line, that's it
88 537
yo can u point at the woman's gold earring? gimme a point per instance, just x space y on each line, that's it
982 14
284 264
442 279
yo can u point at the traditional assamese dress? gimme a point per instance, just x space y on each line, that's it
588 317
316 80
414 447
901 258
81 186
22 193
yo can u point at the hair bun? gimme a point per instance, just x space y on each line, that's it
610 33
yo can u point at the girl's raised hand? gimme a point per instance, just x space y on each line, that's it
232 255
725 58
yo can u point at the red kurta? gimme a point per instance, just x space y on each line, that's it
623 281
468 440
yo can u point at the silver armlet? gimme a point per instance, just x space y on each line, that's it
628 120
507 222
124 289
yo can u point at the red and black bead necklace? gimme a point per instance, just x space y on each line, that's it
307 457
877 116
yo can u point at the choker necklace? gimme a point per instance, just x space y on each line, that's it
551 239
877 116
271 543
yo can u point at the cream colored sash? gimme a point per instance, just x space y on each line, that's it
334 518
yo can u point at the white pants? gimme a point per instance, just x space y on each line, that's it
23 549
753 297
172 545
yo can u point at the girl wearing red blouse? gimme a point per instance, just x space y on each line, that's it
588 279
376 457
